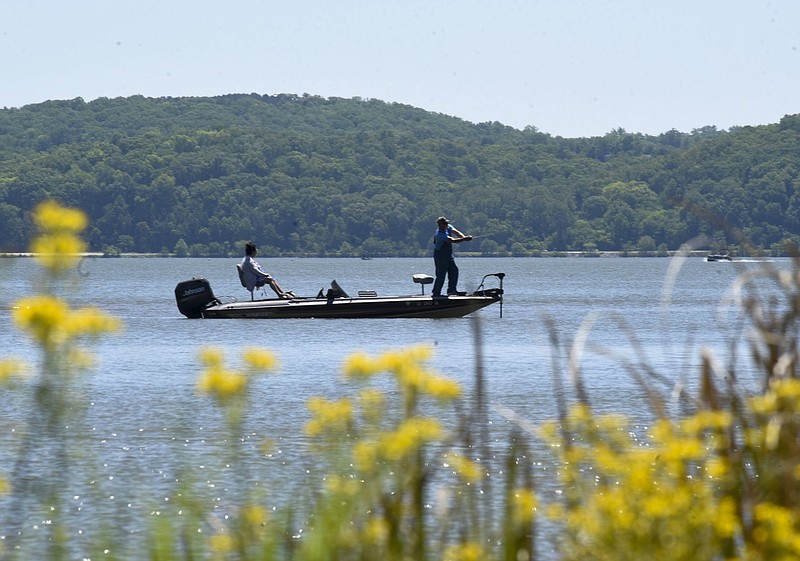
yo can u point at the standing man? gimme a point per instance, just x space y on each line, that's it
255 276
443 241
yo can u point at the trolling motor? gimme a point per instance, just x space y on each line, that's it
481 291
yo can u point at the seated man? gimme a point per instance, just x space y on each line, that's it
254 275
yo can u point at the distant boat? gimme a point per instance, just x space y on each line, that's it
721 255
366 258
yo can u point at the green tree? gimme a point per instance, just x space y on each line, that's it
181 249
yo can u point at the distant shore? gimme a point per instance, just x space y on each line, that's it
543 254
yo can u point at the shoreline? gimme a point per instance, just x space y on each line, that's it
465 254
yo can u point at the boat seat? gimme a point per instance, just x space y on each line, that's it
338 289
367 294
241 279
335 291
422 280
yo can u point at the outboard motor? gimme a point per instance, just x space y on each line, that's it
192 296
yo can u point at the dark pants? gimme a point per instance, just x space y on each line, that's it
445 266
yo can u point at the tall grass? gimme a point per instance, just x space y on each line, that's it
408 468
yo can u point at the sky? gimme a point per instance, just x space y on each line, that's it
570 68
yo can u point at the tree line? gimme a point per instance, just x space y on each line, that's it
306 175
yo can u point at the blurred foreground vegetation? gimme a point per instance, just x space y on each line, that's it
716 477
306 175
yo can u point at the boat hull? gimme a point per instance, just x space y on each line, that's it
343 308
196 299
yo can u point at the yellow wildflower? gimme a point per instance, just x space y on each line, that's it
51 322
682 449
468 470
764 404
707 420
787 388
411 376
775 531
395 360
254 516
58 252
392 361
716 467
365 455
342 486
398 445
50 216
605 458
222 383
336 415
662 431
359 365
58 247
726 519
551 433
260 359
580 414
525 504
90 321
469 551
212 357
10 368
221 544
43 317
376 530
409 436
419 353
442 388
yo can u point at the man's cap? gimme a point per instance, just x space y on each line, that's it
443 219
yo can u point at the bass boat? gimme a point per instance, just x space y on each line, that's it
722 255
196 299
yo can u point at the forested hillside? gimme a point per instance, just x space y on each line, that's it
305 175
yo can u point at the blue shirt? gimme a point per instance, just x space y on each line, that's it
441 239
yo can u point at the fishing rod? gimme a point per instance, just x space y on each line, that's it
473 237
483 236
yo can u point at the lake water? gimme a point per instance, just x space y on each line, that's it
144 424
